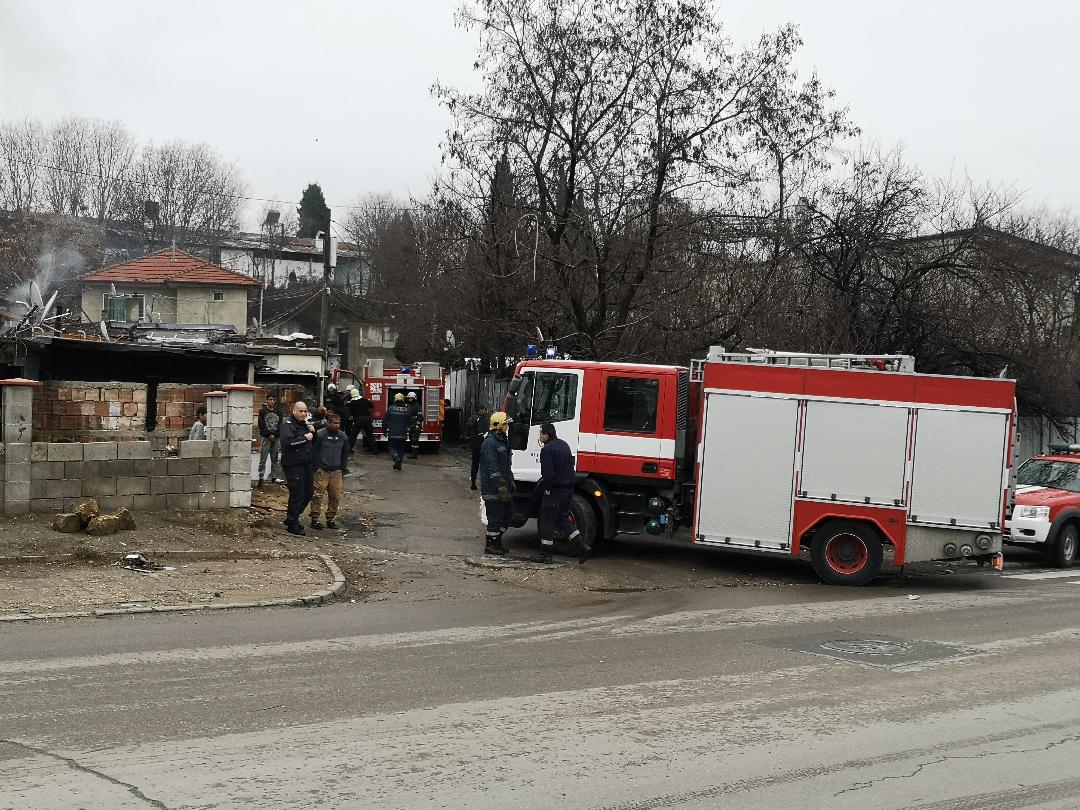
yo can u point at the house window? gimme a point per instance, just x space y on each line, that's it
218 295
124 308
630 404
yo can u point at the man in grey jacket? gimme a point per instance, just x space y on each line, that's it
331 456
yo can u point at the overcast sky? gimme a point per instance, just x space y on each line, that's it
338 92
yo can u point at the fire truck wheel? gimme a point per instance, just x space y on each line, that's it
846 552
1063 552
584 518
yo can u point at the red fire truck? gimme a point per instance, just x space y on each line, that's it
772 453
426 380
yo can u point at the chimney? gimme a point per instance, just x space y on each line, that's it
173 259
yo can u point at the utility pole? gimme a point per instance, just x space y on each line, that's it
324 312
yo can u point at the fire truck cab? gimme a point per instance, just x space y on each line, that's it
837 455
426 380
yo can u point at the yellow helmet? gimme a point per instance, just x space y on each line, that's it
399 397
498 420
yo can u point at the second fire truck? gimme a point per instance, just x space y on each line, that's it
840 456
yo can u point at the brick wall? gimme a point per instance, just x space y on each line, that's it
85 412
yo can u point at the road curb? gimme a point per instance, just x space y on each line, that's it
320 597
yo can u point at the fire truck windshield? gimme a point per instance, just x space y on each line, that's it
1053 474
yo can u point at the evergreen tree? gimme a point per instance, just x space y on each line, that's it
313 212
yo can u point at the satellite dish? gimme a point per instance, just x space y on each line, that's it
540 334
104 331
47 308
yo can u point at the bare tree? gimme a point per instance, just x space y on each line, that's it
66 171
22 151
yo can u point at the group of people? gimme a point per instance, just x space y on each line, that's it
491 462
309 452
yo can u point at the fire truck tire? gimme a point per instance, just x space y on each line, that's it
585 518
846 552
1063 552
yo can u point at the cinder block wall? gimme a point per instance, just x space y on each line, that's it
55 476
86 412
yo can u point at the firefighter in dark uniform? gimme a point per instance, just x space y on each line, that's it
477 429
396 422
557 478
496 483
415 426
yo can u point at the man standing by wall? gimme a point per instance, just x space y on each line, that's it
557 481
270 444
396 424
496 483
476 430
297 457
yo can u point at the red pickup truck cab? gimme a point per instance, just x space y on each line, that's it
1046 514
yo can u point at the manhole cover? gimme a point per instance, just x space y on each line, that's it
867 646
873 651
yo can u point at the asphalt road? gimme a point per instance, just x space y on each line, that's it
685 699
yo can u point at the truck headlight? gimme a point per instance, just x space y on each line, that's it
1036 512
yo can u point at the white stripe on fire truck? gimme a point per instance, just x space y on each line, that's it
615 445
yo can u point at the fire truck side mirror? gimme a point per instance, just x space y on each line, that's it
518 435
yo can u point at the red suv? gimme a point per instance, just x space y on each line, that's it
1047 509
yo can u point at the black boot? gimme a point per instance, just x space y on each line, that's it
493 545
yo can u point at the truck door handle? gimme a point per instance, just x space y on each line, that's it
649 467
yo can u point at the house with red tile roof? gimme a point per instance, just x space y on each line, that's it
167 287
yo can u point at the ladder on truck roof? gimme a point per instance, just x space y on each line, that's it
904 363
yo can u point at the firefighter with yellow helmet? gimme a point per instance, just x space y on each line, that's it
496 482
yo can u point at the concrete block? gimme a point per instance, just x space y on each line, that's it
63 489
16 492
166 485
39 451
185 502
18 396
142 467
220 447
58 469
82 469
199 448
17 453
38 472
240 499
150 503
132 486
216 433
130 450
42 505
239 448
116 469
213 466
198 483
214 500
70 451
222 483
183 466
240 483
100 451
18 432
110 502
238 432
37 489
98 487
159 467
241 464
18 472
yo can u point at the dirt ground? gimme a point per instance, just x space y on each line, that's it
405 536
34 588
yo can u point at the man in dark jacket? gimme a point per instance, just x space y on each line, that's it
557 478
475 431
297 459
496 483
331 456
396 424
270 445
360 411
